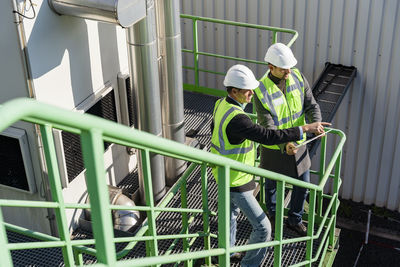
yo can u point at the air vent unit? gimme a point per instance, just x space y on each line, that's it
15 161
68 145
128 101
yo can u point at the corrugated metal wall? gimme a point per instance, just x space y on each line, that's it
362 33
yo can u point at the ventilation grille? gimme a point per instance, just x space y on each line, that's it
104 108
131 103
12 170
73 154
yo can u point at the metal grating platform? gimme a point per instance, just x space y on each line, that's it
198 111
130 183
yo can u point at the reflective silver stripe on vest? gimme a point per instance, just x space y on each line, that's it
267 100
233 151
297 85
222 150
298 114
277 95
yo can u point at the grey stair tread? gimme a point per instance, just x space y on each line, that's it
329 90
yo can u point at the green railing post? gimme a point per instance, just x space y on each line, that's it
151 218
93 156
274 36
336 201
279 211
310 226
322 163
78 258
213 91
56 192
224 214
185 223
206 211
93 132
5 254
195 54
262 194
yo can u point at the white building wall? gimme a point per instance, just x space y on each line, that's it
72 58
13 83
362 33
70 61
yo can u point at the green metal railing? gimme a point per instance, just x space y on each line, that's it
196 87
93 131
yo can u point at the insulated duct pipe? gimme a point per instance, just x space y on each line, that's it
142 51
124 220
170 65
122 12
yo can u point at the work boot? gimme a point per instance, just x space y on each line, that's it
237 256
299 228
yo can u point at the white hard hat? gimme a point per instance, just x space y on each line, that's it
241 77
281 56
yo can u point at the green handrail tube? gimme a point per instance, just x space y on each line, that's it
99 130
36 112
196 53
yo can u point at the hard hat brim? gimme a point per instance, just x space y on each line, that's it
289 65
253 85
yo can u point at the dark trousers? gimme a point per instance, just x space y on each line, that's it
297 200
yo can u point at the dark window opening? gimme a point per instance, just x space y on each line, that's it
12 169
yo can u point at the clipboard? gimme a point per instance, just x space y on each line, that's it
312 139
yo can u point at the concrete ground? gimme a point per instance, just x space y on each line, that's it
378 251
383 247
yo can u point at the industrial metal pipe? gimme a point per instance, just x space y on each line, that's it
142 51
122 12
124 220
170 55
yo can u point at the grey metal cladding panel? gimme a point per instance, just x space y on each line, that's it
387 110
358 33
11 61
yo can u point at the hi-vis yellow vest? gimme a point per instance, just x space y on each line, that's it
244 152
286 111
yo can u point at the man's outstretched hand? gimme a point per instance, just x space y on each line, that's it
316 127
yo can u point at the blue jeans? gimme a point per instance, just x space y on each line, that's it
247 203
297 199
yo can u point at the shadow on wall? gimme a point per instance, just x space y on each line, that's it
52 38
108 42
59 45
55 37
